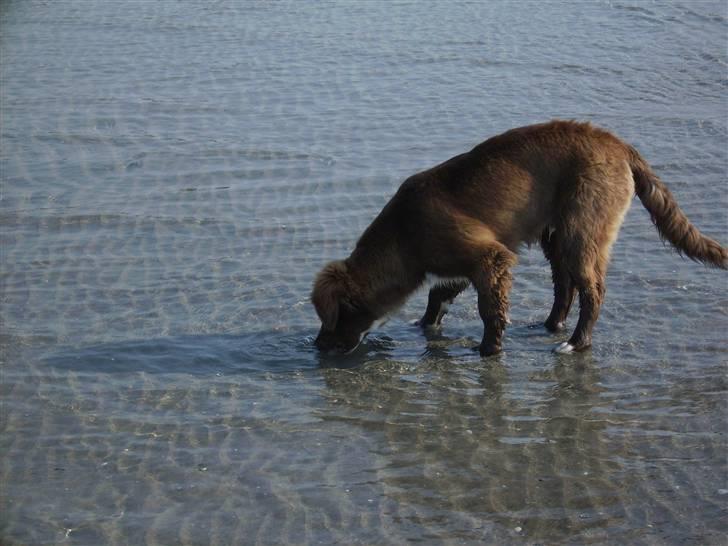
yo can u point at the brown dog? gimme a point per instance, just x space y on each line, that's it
565 184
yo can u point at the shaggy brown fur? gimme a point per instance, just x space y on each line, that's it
565 184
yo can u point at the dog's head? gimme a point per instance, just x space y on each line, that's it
340 304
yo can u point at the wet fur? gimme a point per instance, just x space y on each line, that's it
566 185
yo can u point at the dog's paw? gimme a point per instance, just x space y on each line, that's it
489 349
564 348
552 326
427 326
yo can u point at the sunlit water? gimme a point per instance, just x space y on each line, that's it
173 176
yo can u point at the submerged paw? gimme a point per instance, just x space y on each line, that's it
564 348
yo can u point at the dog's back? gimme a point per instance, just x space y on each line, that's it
554 176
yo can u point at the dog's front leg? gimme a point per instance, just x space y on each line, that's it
493 283
440 298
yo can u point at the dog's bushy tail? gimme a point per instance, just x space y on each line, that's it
670 221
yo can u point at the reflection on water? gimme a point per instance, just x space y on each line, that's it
382 449
533 453
173 177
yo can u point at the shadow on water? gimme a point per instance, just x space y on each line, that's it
259 352
275 351
269 352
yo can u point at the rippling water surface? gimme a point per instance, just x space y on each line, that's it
173 176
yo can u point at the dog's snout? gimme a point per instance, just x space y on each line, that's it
324 342
328 343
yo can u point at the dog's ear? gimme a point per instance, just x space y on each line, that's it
329 288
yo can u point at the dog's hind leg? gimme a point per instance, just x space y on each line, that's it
589 227
492 280
440 298
590 283
564 289
585 258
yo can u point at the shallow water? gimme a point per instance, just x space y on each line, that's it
173 176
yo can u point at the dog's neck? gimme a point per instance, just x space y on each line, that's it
385 273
